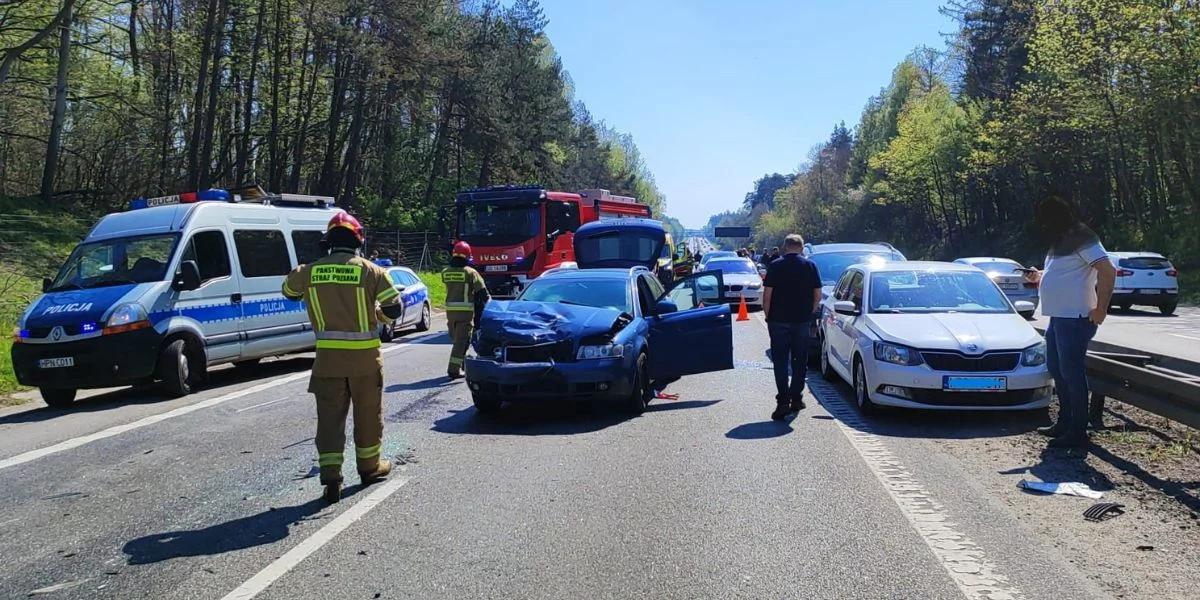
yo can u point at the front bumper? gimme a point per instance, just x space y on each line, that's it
752 296
1028 388
102 361
1166 296
608 377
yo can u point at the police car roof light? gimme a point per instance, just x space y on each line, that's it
251 194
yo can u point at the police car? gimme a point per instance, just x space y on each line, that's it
169 288
414 295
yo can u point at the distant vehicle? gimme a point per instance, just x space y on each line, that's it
741 279
170 288
596 332
932 335
515 231
715 254
1145 279
832 260
415 297
1007 273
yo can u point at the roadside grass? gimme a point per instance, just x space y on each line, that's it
437 288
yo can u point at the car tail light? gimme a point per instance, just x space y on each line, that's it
1124 272
1172 273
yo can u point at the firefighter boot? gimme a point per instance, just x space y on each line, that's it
333 492
380 473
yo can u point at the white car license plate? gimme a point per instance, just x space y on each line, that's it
494 268
1149 291
56 363
955 383
1009 287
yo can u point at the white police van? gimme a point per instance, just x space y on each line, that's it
169 288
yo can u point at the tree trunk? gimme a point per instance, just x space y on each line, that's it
243 152
54 145
12 54
195 142
133 47
276 74
305 105
214 87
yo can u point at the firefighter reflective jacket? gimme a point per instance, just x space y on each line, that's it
341 292
463 285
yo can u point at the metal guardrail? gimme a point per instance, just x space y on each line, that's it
1163 385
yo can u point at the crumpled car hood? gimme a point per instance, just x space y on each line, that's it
528 323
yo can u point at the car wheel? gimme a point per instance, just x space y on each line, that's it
865 406
484 403
423 324
1124 306
827 371
58 397
175 369
1168 308
639 396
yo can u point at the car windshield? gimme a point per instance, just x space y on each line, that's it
115 262
498 223
935 291
1003 267
619 248
600 293
831 265
733 266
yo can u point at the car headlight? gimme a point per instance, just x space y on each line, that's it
1035 355
754 286
125 314
896 354
601 351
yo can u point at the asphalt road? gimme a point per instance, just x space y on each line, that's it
1145 328
214 496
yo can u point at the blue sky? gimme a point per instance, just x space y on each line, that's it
718 92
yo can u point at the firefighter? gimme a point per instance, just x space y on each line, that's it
346 295
465 296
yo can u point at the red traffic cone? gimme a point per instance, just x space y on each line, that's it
743 312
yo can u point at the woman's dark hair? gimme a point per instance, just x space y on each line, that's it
1058 227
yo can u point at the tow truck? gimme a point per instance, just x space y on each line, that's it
518 232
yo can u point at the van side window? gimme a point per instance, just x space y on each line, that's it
307 245
262 253
210 253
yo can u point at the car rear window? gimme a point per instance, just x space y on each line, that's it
1144 263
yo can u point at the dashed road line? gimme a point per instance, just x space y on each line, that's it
290 559
964 561
1186 337
261 404
82 440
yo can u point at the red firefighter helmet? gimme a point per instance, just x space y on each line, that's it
462 249
344 219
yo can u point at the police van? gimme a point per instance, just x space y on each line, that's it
169 288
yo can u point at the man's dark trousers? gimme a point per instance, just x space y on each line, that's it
789 348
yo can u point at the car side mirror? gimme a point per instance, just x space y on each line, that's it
845 307
187 278
401 287
1024 306
46 283
663 307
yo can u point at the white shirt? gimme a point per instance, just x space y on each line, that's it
1068 287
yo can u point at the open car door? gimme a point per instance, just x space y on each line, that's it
691 330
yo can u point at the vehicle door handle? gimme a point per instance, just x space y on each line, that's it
236 298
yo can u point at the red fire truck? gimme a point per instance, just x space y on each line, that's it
517 232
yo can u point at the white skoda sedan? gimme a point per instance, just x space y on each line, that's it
932 335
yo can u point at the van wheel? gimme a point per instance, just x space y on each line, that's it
1168 308
426 318
175 369
58 397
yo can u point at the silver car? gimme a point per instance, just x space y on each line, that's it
1008 275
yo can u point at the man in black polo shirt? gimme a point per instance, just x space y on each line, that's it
792 291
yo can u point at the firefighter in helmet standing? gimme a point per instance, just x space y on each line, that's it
465 296
346 294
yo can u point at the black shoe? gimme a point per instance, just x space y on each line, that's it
1068 441
1051 431
453 376
797 406
333 493
781 412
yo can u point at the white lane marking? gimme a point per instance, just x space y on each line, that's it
1186 337
264 578
267 403
73 443
964 561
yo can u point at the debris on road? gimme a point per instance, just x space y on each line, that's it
661 395
1104 511
1066 489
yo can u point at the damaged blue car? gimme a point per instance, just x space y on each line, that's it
608 330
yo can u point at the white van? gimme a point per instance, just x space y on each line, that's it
169 288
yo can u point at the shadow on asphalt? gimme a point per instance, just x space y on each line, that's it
266 527
432 383
760 431
217 379
441 339
550 417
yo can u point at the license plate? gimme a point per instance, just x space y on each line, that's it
1009 287
1149 291
494 268
56 363
952 383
